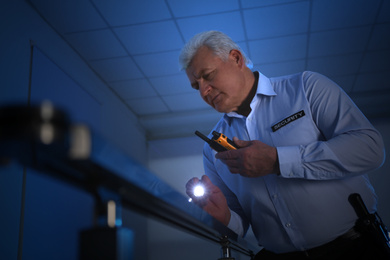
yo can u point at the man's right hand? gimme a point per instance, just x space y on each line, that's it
213 202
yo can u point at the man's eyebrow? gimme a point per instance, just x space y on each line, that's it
201 72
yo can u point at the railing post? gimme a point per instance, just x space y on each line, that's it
108 240
225 249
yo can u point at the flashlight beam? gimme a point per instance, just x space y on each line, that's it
199 190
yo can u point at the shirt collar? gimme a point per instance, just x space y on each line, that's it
264 87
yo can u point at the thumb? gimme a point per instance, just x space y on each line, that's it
241 143
207 182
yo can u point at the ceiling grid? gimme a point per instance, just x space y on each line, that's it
134 47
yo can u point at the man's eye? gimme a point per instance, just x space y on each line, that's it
208 76
195 86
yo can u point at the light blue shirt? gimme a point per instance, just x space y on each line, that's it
325 147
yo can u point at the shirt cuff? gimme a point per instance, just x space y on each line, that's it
235 223
290 162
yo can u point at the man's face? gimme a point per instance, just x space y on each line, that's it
220 83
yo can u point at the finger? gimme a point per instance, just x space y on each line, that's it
207 182
227 155
241 143
192 181
231 163
190 193
190 185
234 170
236 140
210 188
201 202
206 179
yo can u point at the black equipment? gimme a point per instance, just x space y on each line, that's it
370 224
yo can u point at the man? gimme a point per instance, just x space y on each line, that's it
304 147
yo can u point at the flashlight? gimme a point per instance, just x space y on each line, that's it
199 190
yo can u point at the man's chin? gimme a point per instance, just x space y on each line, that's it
219 107
222 110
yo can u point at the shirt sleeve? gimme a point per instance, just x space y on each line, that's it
235 224
238 222
352 145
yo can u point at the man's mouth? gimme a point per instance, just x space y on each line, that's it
216 99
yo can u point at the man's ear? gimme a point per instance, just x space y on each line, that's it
237 57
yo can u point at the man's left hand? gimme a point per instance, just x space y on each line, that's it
252 159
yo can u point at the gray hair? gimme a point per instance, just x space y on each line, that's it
218 42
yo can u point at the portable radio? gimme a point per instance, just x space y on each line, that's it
219 142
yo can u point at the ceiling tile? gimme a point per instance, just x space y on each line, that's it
244 47
71 15
229 23
262 3
148 106
134 47
384 13
171 85
380 38
118 13
345 82
117 69
332 14
366 104
182 8
335 65
282 68
184 102
97 44
366 101
372 82
181 124
150 37
376 61
133 89
279 20
159 64
278 49
338 41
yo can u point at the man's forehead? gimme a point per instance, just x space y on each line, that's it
201 62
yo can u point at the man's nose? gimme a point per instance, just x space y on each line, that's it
204 88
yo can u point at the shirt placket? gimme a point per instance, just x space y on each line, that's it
257 131
251 120
283 213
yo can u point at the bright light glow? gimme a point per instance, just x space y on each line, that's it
111 213
199 190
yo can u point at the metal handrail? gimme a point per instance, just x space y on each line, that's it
78 156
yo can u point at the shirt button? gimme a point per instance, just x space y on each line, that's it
275 196
288 225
